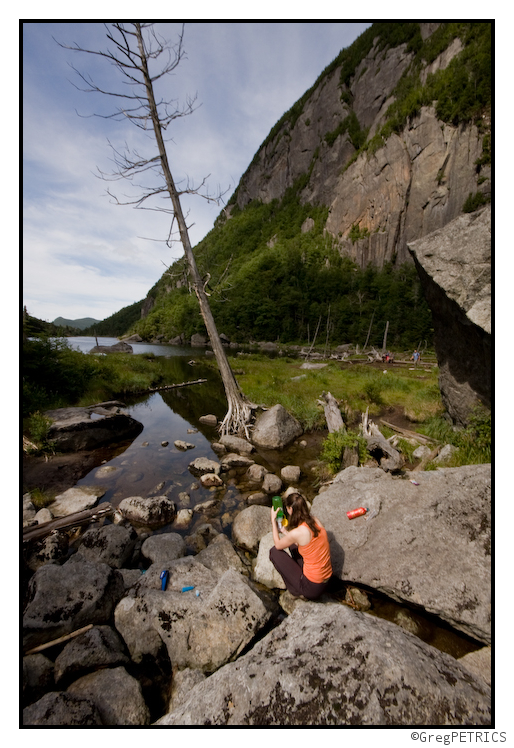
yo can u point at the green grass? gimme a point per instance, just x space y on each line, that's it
359 386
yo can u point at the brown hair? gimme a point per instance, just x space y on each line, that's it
300 513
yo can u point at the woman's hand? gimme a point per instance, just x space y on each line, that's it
274 513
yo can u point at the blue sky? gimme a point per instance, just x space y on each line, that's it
84 256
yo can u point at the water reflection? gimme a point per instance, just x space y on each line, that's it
152 459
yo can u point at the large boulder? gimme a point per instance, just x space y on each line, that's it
454 265
201 631
275 428
428 545
116 694
250 526
62 599
74 429
330 665
110 544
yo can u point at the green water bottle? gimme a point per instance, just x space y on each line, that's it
277 504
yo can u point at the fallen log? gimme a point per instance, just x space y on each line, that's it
60 640
36 532
333 415
410 434
169 386
377 445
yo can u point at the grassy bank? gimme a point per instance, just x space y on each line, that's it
356 386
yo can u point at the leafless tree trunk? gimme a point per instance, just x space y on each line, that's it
131 56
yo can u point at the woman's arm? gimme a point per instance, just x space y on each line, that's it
289 537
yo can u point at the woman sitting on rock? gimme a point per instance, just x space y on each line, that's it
308 569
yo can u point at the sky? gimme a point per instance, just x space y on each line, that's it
84 255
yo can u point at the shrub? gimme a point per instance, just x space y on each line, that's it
335 444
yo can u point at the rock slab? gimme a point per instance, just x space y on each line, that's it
329 665
428 545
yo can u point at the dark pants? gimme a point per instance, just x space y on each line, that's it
290 568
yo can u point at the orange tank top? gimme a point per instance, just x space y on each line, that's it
317 566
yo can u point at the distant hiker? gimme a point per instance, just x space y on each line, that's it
416 356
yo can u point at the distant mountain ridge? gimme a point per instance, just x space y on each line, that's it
80 324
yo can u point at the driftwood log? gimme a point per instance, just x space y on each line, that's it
333 415
383 451
36 532
421 438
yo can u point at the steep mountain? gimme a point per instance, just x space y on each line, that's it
391 143
80 324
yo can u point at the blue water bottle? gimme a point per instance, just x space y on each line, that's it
164 579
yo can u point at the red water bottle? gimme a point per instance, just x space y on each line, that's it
356 512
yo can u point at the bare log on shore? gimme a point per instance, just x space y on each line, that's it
36 532
333 415
421 438
377 445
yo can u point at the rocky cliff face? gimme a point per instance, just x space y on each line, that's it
415 183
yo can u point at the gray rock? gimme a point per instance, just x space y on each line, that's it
62 599
154 511
60 708
182 445
479 663
121 347
275 428
256 473
110 544
97 648
76 499
430 544
209 480
329 665
29 510
271 484
220 556
182 683
263 571
234 460
203 465
236 444
74 429
163 548
445 454
52 548
38 677
116 694
290 473
250 525
200 632
454 265
209 420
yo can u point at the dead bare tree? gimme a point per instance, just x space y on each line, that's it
134 48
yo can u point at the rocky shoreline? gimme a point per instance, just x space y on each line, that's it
236 649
